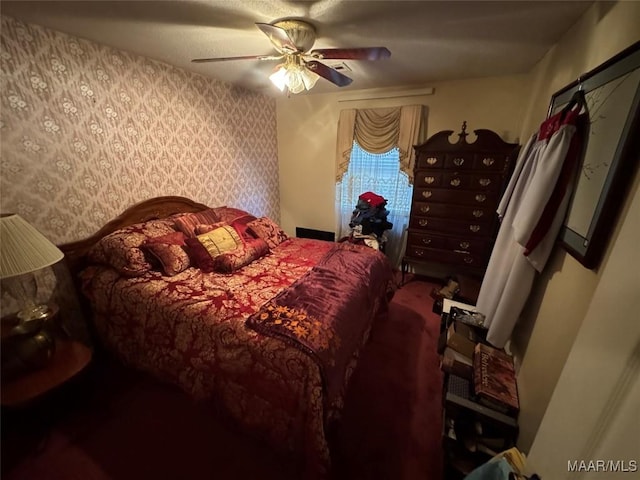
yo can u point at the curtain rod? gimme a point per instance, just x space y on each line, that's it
420 93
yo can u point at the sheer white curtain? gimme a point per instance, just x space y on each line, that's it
379 173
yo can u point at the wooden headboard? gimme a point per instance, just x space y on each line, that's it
154 208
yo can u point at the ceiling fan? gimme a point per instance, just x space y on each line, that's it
293 39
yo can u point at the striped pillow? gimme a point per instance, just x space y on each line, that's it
188 222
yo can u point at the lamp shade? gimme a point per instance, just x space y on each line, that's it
23 249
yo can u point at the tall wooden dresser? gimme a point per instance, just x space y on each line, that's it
457 189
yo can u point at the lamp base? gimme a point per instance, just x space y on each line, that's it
26 353
33 318
34 312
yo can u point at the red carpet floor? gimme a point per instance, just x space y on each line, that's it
116 424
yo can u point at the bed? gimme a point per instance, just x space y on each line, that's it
269 329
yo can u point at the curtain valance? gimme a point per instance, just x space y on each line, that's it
378 131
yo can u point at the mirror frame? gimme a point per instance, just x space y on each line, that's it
588 249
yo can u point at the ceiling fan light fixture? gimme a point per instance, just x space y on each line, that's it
293 75
293 39
308 78
279 78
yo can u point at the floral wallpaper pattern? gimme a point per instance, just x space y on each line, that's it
87 130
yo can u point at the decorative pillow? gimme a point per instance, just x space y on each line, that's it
246 253
199 255
122 248
220 240
187 222
240 224
229 214
170 252
268 230
206 228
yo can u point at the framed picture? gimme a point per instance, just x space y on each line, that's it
611 153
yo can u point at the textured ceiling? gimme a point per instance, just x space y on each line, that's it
428 40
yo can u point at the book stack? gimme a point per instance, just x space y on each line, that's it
464 329
480 393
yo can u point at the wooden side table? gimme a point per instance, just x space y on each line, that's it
69 359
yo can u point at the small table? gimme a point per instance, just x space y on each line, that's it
69 359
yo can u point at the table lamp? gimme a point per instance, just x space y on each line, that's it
24 251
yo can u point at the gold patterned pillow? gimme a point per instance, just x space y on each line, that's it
220 240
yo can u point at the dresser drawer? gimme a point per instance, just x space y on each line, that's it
489 182
444 210
476 246
440 225
431 160
427 178
446 256
489 162
456 197
461 161
423 240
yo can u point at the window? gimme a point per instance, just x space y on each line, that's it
378 173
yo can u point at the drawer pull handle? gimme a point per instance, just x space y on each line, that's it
488 161
425 209
474 228
429 180
478 213
455 182
422 222
484 181
458 162
468 260
419 253
480 198
465 245
427 193
426 241
432 160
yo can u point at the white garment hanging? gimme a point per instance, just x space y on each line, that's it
510 273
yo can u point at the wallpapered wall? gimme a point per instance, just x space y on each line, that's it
87 130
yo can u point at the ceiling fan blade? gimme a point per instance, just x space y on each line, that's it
328 73
278 36
371 53
246 57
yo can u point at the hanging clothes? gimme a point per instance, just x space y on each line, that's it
532 210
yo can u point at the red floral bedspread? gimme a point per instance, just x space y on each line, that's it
190 330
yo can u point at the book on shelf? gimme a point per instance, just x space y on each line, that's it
494 379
